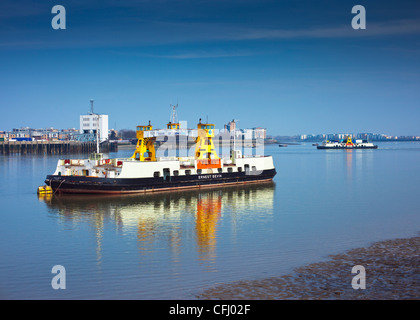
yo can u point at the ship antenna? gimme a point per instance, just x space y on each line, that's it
97 128
174 114
91 106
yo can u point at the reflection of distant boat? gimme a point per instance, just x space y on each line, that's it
315 144
283 145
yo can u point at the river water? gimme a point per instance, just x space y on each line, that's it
174 245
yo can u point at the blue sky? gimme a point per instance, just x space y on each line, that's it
293 67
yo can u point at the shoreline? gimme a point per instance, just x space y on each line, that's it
392 273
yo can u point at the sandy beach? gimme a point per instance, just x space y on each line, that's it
392 272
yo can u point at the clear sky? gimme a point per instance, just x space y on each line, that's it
293 67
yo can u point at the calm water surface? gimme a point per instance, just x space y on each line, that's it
173 245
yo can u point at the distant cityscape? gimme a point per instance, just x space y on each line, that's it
73 134
90 123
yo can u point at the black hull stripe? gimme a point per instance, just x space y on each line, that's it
72 184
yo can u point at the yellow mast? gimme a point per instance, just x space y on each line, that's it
205 153
145 149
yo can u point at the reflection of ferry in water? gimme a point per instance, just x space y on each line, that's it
145 172
349 144
153 216
132 207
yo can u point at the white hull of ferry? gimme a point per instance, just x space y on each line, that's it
132 176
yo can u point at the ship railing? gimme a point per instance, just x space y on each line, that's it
167 159
253 156
166 132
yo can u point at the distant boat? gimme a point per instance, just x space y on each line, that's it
349 144
283 145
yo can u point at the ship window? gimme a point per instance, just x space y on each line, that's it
166 174
198 171
187 172
176 173
239 169
220 170
230 170
246 167
156 174
254 168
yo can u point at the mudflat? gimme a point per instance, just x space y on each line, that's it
392 272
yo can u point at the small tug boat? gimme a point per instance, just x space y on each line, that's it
144 172
349 144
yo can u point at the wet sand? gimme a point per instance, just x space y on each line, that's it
392 273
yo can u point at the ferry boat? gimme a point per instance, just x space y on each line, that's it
145 172
349 144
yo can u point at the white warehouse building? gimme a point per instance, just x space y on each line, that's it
89 123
